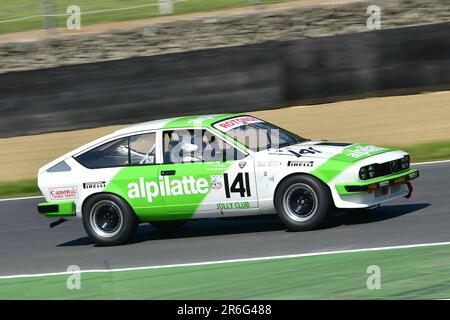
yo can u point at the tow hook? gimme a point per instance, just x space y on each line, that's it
57 222
410 190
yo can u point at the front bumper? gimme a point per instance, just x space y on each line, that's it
57 209
376 183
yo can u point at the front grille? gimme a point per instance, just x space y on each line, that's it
387 168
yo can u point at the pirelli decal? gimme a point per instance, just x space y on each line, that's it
94 185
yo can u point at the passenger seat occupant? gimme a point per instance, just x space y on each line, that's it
210 148
192 147
182 148
171 156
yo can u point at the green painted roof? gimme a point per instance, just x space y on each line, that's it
196 121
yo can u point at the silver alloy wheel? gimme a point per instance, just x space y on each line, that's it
300 202
106 218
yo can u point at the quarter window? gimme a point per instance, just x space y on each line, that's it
111 154
142 149
134 150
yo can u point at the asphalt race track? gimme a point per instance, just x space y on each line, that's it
29 246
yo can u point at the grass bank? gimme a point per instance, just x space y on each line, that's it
19 189
413 273
429 151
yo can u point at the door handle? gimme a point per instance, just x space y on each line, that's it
168 172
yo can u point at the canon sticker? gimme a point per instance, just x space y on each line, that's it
63 193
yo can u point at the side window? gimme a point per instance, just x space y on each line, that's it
143 149
187 146
216 149
179 147
111 154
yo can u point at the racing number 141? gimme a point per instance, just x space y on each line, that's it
238 185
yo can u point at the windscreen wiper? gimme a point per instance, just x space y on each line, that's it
287 144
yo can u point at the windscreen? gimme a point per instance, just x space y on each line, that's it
256 134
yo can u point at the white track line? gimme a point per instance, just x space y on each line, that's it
413 164
323 253
429 162
22 198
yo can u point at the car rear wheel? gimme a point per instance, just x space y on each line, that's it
168 226
302 202
109 220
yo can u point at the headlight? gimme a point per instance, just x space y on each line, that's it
367 172
363 173
404 162
371 171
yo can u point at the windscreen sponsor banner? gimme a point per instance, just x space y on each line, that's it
229 124
63 193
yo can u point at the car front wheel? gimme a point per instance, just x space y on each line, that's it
302 202
109 220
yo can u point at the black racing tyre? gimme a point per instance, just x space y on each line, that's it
109 220
302 202
170 226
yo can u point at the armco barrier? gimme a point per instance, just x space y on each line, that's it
241 78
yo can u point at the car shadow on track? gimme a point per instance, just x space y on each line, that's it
217 227
198 228
347 218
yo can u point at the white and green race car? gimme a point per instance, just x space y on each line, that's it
167 172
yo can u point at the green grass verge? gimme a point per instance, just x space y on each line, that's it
414 273
429 151
23 8
19 189
419 153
